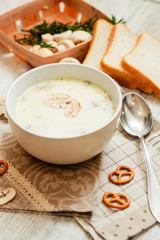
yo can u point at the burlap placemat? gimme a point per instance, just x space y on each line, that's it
42 187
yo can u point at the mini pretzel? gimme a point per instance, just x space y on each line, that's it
119 173
4 169
116 200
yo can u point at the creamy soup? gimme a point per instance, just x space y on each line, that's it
63 107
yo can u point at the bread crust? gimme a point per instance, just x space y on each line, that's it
93 41
123 77
145 83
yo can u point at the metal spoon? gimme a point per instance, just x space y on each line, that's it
136 119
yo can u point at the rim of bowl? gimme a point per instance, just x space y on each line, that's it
69 64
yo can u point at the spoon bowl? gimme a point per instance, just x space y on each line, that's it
136 119
136 116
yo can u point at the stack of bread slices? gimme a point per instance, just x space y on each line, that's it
132 60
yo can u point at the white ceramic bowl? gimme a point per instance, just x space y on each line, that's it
64 150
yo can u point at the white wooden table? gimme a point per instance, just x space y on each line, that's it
141 15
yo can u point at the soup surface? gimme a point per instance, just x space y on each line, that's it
63 107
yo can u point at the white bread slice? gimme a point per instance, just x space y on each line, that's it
101 34
122 40
144 62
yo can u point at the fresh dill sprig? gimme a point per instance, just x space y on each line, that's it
30 40
114 20
58 27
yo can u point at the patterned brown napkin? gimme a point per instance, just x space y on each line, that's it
42 187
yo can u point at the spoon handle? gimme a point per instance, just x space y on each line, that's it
152 182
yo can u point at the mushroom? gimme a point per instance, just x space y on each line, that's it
61 36
52 43
59 48
80 36
67 43
69 60
47 37
36 48
43 52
